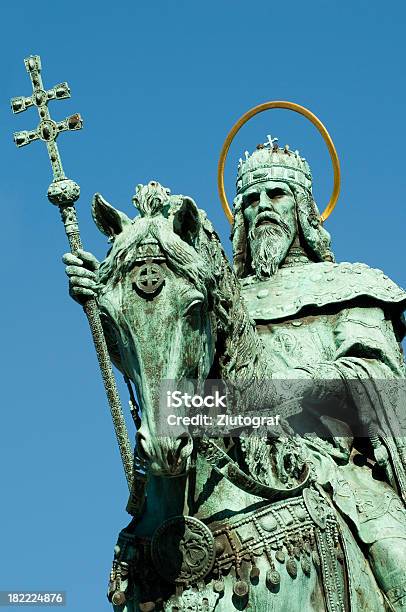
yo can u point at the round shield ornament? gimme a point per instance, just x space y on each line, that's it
183 550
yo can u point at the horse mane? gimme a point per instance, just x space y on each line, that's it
239 347
205 265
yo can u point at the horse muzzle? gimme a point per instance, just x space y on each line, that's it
167 456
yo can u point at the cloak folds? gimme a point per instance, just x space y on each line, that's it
341 322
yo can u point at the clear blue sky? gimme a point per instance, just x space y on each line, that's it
159 84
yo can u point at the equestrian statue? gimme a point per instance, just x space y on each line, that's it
306 514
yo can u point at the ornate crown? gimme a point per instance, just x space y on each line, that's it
269 162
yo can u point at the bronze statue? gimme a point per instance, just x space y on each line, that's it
305 511
322 524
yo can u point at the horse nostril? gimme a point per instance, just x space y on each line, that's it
141 447
183 442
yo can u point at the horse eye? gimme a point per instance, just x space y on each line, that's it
193 307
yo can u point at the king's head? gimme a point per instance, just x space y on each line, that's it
275 216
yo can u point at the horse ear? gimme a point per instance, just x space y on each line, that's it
186 220
108 219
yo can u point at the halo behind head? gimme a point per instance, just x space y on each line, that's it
298 109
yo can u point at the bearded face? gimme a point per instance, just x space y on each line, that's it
270 216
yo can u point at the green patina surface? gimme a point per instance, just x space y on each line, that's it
276 521
276 533
322 284
309 516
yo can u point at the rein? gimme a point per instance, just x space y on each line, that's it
213 454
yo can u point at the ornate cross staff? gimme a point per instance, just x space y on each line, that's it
64 192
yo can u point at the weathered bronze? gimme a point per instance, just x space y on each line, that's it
313 521
306 515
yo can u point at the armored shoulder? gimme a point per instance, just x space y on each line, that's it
316 286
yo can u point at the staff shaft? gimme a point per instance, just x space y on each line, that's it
64 192
68 214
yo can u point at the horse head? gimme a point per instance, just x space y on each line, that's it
155 304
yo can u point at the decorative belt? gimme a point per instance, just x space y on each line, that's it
296 534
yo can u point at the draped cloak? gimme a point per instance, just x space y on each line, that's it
329 322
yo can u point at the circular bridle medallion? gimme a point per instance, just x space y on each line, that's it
149 278
183 550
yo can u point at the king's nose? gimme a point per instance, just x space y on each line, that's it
264 202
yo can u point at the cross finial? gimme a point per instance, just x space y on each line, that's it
48 129
270 142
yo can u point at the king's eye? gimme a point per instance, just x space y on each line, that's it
276 193
251 199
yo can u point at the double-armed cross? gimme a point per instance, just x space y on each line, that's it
64 192
47 129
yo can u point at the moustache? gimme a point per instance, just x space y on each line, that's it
269 220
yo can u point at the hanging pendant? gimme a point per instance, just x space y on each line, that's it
118 598
218 585
241 588
291 567
255 572
273 578
280 556
316 558
306 567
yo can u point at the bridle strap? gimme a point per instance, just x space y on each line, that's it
213 454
